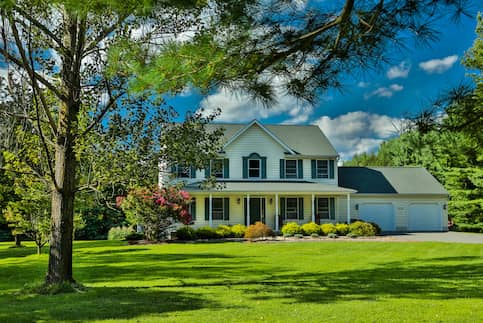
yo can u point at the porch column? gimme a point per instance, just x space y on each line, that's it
276 212
313 208
348 209
210 211
248 210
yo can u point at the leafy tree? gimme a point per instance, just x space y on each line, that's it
82 58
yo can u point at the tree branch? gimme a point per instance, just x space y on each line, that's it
103 112
103 34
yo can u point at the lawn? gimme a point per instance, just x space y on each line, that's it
338 281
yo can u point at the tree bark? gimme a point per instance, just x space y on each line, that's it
18 241
63 193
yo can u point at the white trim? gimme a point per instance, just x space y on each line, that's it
296 169
276 212
211 210
348 209
241 131
259 168
248 210
313 207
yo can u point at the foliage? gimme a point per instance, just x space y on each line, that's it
206 233
361 228
238 230
291 228
327 228
470 227
224 231
185 233
133 236
258 230
311 228
157 209
97 221
119 233
376 227
342 229
332 235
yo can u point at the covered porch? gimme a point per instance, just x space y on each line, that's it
273 203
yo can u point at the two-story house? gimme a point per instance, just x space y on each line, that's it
283 173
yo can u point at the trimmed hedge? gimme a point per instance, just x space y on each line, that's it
291 228
360 228
311 228
328 228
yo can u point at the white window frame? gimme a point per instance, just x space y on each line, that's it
296 210
186 171
259 168
326 175
320 211
216 212
213 169
292 176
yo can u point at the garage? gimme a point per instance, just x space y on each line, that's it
424 217
380 213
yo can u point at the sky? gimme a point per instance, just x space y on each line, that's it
371 105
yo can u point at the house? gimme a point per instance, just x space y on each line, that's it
284 173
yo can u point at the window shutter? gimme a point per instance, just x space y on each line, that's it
332 208
226 168
226 208
313 162
245 167
264 167
300 168
301 208
193 209
207 208
282 168
193 172
331 168
282 207
208 170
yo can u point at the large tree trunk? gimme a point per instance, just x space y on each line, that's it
63 193
18 241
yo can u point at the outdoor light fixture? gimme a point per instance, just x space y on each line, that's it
238 200
270 201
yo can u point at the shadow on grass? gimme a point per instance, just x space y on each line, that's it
15 252
99 304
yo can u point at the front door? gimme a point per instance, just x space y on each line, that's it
257 210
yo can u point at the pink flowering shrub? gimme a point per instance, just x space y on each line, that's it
157 209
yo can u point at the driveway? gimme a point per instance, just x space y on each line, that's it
449 236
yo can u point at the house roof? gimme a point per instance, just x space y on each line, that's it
390 180
307 140
267 186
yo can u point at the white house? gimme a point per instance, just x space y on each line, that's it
284 173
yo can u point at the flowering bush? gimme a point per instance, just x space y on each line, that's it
156 209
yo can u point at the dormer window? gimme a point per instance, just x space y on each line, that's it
254 168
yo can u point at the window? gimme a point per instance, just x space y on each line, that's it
192 209
182 171
291 169
217 208
292 208
322 169
325 208
254 168
217 169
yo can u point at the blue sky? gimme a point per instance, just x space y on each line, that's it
371 105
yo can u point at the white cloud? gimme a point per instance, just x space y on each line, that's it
358 131
401 70
384 92
438 66
238 106
363 84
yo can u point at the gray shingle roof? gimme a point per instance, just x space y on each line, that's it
390 180
306 140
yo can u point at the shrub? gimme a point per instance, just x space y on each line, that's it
206 233
342 229
119 233
314 235
362 229
186 233
351 235
238 230
376 227
133 236
328 228
287 235
298 236
332 236
258 230
466 227
310 228
291 228
224 231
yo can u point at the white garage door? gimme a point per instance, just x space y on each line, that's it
425 217
380 213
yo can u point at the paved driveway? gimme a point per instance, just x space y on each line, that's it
439 236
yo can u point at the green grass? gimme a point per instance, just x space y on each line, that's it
339 281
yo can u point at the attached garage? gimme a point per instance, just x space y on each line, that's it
380 213
396 198
425 217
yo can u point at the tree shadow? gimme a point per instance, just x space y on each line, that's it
100 304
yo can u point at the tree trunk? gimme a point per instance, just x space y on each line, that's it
39 249
63 193
18 241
